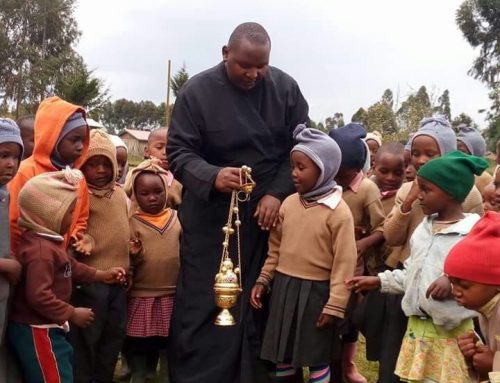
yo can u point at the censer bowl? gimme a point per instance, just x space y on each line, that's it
226 296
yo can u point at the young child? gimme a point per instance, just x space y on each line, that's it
27 126
430 352
473 268
470 141
157 148
97 347
374 142
382 322
410 172
312 251
61 139
364 200
40 309
121 158
490 199
11 152
155 231
434 138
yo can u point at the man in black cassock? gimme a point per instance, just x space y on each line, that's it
240 112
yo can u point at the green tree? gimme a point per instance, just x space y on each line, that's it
79 86
123 113
360 116
388 98
381 117
413 110
36 47
337 121
178 80
463 118
479 22
443 106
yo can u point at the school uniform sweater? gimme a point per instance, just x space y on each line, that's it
156 271
483 180
43 294
109 228
313 242
424 266
490 328
366 207
399 226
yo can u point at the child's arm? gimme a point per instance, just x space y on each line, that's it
397 223
375 211
15 187
263 282
81 273
343 265
11 268
440 289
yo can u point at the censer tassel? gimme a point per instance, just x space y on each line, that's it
228 281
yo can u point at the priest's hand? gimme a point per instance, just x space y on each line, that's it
267 212
228 179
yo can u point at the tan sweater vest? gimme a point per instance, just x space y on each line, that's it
108 226
399 227
314 242
156 272
483 180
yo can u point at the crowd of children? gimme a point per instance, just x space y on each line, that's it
381 237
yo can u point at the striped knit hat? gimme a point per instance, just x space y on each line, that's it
45 199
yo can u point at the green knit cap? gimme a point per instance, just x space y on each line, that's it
454 173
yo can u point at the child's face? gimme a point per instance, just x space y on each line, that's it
10 152
462 147
98 171
70 148
390 171
423 149
432 198
121 159
305 172
345 176
67 219
27 127
472 295
496 183
410 172
156 147
373 147
150 193
489 199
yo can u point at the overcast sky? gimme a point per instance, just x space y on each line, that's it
343 53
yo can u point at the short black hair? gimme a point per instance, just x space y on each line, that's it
155 132
252 32
395 148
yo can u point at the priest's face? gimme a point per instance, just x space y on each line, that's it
246 63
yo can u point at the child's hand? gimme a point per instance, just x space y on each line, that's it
325 320
411 197
467 345
440 289
483 359
12 269
359 284
113 275
256 295
362 246
83 244
135 246
82 316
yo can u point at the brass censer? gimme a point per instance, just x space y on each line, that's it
228 281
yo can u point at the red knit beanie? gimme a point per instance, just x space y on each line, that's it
476 258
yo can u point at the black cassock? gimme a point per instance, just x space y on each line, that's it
215 125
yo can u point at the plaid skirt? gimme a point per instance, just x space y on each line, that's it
149 316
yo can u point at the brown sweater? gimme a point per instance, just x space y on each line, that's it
483 180
314 242
399 227
156 271
366 208
43 294
490 327
109 228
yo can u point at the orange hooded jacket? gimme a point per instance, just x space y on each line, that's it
50 119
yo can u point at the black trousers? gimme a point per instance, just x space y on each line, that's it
96 347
